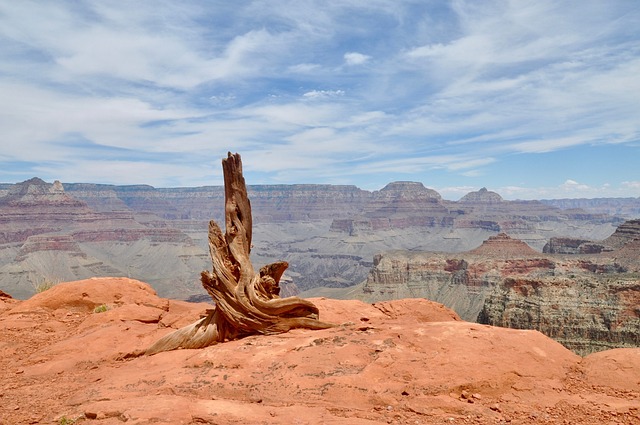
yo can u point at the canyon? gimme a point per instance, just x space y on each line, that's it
476 255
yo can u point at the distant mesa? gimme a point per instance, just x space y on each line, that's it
482 196
504 246
416 189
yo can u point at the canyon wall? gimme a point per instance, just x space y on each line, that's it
585 312
329 234
48 236
586 302
628 208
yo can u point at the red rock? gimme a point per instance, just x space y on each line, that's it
618 368
409 365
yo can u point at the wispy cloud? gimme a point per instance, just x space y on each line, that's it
352 92
355 58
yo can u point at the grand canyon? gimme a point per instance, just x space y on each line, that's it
411 279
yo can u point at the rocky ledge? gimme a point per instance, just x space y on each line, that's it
66 358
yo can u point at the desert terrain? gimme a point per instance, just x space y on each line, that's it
71 355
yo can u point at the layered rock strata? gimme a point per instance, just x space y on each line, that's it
328 233
584 312
586 302
46 235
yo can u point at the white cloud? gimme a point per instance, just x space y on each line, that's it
572 185
303 68
635 185
355 58
323 94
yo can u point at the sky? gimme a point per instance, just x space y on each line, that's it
532 99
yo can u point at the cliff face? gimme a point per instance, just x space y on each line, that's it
627 232
460 281
397 206
628 208
46 235
586 302
585 313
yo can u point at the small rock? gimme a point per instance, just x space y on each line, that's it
476 396
91 415
496 408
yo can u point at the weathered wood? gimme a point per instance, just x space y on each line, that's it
246 302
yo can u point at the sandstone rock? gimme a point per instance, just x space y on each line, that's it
572 246
618 369
627 232
403 367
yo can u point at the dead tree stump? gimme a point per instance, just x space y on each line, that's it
246 302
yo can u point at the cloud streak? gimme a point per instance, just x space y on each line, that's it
353 92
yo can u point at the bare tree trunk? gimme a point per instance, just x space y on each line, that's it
246 302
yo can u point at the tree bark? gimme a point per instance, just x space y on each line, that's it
246 302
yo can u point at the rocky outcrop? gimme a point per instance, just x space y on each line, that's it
503 246
402 205
627 232
460 281
586 302
586 313
406 361
573 246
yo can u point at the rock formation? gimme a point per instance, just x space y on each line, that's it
627 232
628 208
586 302
483 196
48 235
585 314
460 281
66 356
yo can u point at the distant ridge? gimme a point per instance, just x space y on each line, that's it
504 246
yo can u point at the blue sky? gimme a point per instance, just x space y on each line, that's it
532 99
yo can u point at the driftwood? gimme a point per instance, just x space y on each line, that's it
246 302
